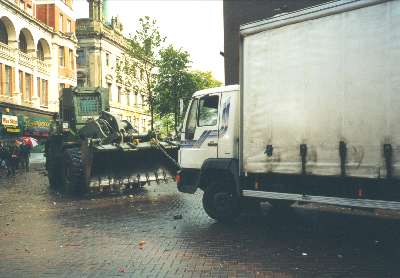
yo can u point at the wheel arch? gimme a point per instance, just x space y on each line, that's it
219 168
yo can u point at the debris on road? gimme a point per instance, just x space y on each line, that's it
178 217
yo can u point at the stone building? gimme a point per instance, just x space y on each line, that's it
37 57
241 12
101 52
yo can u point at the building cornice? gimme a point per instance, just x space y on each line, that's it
87 28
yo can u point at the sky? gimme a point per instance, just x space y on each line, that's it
194 26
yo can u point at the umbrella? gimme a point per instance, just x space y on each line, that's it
32 142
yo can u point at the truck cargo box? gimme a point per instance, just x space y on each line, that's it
320 91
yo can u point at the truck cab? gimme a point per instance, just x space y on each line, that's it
210 139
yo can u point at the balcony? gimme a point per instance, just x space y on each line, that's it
43 67
6 52
26 60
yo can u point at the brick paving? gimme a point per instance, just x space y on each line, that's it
44 234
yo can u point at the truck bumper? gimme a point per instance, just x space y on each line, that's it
187 180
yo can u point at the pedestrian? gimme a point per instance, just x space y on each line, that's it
13 155
3 156
25 153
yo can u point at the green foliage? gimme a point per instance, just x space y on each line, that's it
203 80
175 82
165 125
142 54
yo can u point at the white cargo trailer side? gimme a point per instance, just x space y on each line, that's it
326 80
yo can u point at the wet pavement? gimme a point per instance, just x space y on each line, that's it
158 232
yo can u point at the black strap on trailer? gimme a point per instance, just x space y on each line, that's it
343 157
388 154
303 155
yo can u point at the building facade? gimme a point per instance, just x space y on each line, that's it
241 12
101 54
37 58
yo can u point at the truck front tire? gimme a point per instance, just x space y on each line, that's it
221 202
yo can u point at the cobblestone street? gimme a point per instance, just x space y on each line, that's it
159 232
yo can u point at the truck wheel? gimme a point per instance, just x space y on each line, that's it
55 177
250 206
74 180
54 169
221 203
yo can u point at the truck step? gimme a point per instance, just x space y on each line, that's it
348 202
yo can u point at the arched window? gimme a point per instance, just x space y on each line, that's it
22 45
40 51
3 33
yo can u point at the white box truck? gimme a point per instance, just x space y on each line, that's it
316 117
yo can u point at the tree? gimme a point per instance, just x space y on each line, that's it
142 54
173 81
203 80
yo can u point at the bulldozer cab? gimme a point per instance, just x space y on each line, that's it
78 105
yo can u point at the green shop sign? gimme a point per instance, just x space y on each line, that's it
36 126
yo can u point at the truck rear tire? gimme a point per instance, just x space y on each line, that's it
221 202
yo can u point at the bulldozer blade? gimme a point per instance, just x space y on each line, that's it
126 167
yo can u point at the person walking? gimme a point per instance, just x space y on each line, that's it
3 156
25 153
13 158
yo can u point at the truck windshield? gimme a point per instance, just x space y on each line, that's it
89 105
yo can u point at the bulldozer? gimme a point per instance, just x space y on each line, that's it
91 150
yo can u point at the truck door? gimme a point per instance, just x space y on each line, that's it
201 132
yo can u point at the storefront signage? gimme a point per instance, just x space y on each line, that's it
37 123
9 120
13 130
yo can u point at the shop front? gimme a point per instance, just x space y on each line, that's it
18 121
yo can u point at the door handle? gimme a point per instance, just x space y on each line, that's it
212 144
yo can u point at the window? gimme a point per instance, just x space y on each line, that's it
191 121
7 85
107 59
208 111
135 100
144 124
60 23
81 59
109 89
38 87
3 33
71 58
80 83
40 52
140 101
119 94
29 9
22 45
44 93
21 84
69 26
61 56
117 63
28 86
